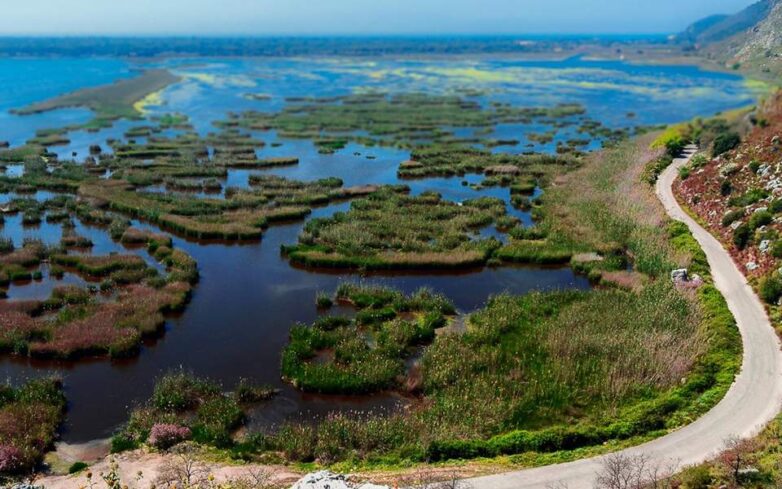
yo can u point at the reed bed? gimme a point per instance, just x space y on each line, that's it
336 355
390 230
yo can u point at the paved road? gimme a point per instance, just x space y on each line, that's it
753 400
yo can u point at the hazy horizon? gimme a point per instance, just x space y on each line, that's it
264 18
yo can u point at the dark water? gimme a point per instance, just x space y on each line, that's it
248 296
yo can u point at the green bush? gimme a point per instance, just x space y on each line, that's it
725 142
760 218
771 288
123 442
323 300
697 477
732 217
726 188
750 197
742 236
77 467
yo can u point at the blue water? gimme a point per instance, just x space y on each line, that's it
27 80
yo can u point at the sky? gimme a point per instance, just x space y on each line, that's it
354 17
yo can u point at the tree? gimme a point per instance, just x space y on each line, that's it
738 455
634 472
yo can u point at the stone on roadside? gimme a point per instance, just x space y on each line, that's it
328 480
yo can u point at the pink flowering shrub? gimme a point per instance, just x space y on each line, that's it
167 435
11 458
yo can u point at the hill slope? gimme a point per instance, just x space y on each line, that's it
718 28
750 40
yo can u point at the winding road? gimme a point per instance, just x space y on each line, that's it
753 400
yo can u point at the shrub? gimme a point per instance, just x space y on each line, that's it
760 218
732 217
123 442
6 245
77 467
750 197
742 236
248 392
771 289
164 436
11 459
775 206
725 142
726 188
697 477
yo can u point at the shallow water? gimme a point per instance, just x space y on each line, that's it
248 296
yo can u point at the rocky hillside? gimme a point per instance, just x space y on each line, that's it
750 40
735 187
720 27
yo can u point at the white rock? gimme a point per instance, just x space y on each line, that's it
764 246
752 266
328 480
735 224
679 275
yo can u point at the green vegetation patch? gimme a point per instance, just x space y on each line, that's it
183 407
368 353
443 160
403 120
391 230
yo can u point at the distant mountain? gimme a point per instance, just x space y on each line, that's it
750 40
718 28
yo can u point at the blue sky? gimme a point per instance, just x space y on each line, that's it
270 17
